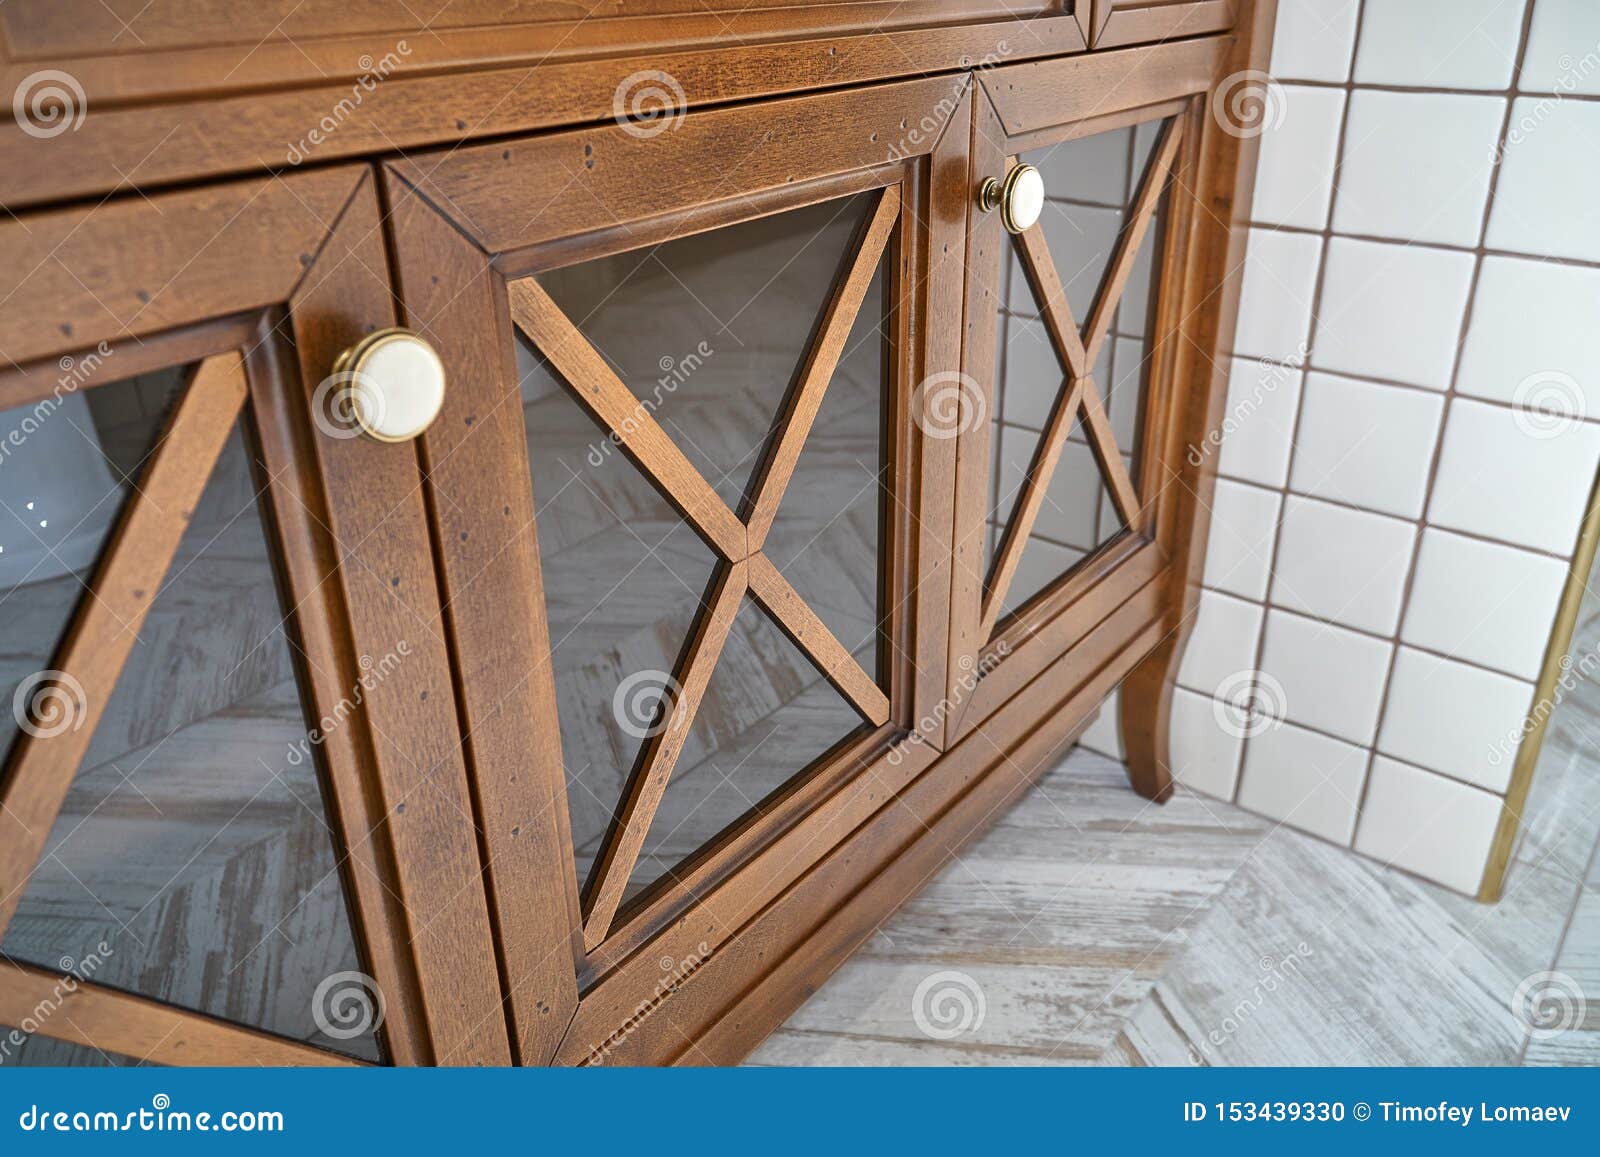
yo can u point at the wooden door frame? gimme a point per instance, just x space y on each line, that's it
468 225
1026 106
1116 23
263 283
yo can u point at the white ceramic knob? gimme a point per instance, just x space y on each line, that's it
395 384
1020 197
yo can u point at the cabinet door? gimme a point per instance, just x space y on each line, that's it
234 817
1069 466
694 548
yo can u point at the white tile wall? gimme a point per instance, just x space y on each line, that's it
1395 516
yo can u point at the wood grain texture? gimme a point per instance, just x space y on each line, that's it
1121 22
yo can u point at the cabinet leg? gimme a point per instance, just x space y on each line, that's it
1145 701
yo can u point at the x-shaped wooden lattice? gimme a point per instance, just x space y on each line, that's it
743 567
1078 352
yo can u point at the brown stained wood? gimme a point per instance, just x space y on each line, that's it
1148 199
1034 95
480 509
1220 170
106 625
645 788
1139 21
136 267
543 188
195 138
83 1013
616 409
811 635
1103 441
1046 456
800 409
1054 311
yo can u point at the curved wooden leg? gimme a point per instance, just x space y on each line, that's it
1145 701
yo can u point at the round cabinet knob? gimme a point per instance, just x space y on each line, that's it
393 381
1020 197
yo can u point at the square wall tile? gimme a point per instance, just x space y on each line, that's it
1280 283
1392 311
1461 721
1092 168
1439 43
1294 176
1563 32
1104 735
1205 755
1484 602
1417 165
1125 382
1314 39
1534 331
1332 679
1427 824
1258 426
1343 565
1510 474
1545 201
1365 444
1033 373
1306 780
1226 632
1244 522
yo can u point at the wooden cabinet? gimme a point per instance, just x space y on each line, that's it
784 516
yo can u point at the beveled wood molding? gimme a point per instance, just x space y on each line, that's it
1119 22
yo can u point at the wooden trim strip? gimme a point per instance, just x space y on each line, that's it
1151 187
82 1013
106 625
629 420
645 788
1043 467
1040 269
800 408
1103 441
775 593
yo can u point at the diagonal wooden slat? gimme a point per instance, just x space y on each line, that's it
801 406
646 786
616 408
1046 455
106 626
1145 204
103 1018
1103 441
795 616
1040 270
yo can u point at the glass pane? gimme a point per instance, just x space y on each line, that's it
767 714
191 860
1091 185
710 332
